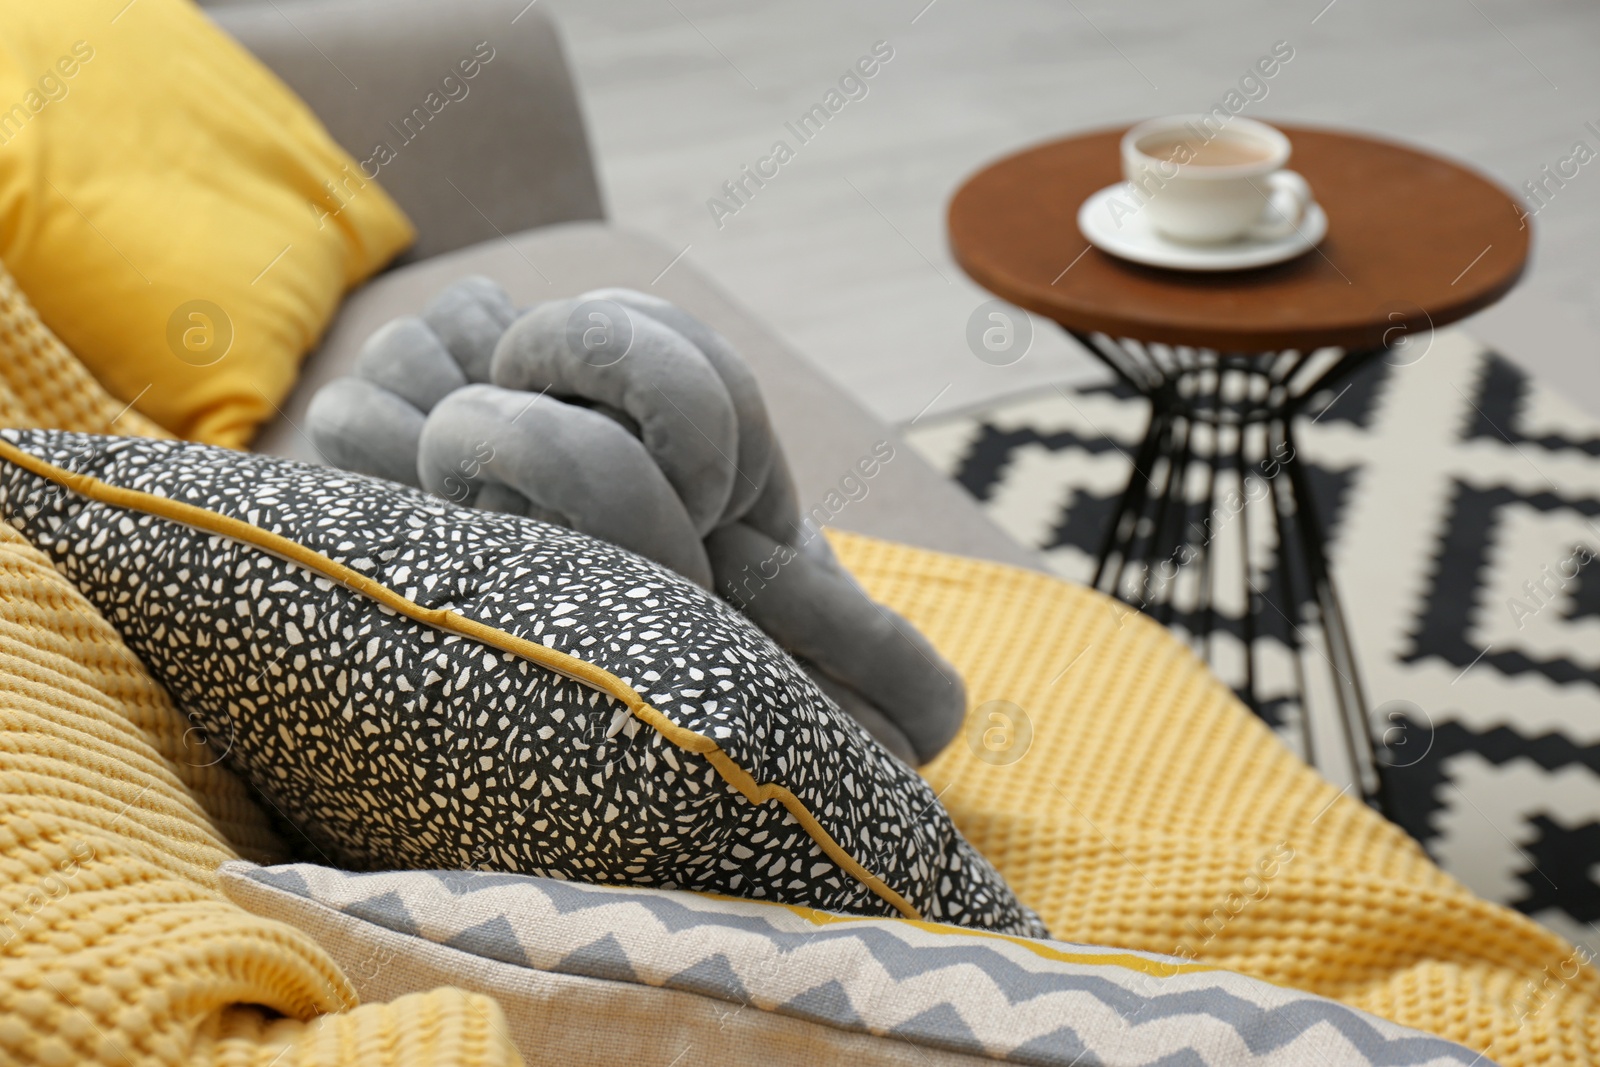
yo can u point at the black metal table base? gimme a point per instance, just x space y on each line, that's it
1217 536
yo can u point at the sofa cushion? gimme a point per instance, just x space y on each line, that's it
472 158
417 684
824 432
857 991
179 217
42 384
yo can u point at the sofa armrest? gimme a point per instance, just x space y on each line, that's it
466 110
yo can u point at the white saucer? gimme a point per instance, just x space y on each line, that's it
1135 239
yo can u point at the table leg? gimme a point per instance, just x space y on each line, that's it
1220 462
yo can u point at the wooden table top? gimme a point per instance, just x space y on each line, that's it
1413 241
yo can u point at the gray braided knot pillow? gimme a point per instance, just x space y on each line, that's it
620 415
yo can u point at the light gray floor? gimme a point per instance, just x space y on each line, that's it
844 251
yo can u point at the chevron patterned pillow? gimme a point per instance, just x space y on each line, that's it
416 684
714 981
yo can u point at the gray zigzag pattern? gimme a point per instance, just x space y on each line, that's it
1262 1029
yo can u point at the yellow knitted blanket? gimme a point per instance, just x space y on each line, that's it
116 946
1149 809
1152 810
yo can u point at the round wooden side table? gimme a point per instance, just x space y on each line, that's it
1228 361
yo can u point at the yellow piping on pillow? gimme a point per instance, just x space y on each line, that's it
560 662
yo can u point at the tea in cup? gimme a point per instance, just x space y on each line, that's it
1205 183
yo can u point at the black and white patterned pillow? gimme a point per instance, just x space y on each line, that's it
417 684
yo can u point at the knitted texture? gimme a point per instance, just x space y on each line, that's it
1152 810
116 945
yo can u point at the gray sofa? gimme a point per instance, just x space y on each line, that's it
500 182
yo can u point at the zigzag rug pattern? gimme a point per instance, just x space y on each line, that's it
1462 501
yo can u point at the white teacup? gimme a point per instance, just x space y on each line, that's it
1208 185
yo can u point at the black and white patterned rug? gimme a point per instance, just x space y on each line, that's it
1462 502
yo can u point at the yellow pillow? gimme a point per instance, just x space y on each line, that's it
179 218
